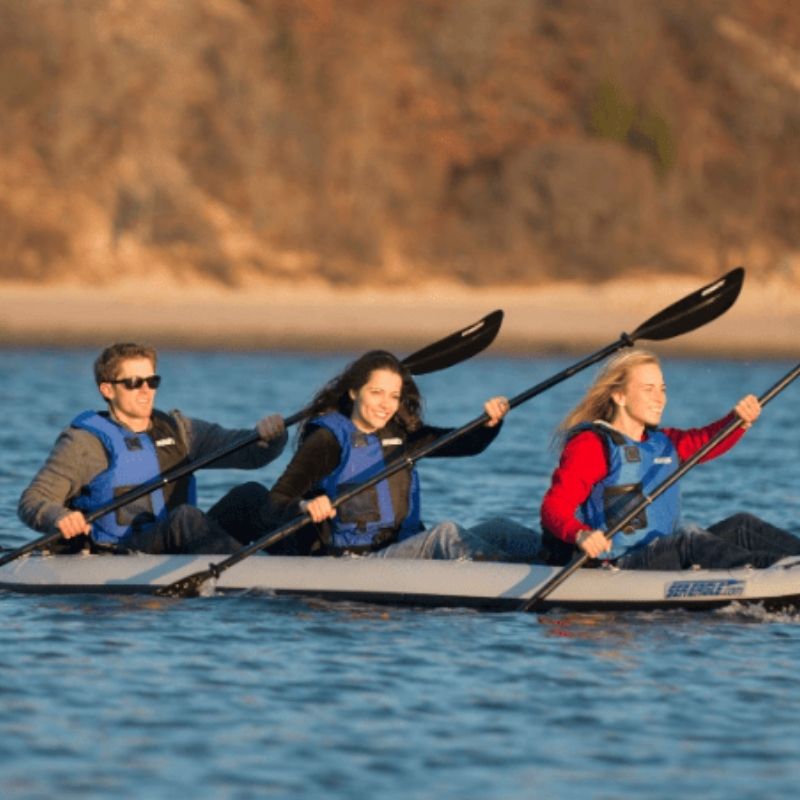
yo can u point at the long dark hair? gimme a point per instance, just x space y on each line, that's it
335 395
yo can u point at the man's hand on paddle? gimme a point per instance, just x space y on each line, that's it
73 524
270 427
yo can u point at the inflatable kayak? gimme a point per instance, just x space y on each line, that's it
484 585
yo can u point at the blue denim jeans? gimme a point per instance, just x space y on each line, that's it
497 539
733 542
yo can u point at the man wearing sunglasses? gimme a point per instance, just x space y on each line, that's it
106 453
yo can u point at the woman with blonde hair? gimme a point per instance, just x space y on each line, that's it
598 402
613 454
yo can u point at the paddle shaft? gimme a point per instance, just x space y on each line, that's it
439 355
662 487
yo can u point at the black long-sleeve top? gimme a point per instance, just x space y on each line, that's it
319 455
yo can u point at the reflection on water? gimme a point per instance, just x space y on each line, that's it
252 696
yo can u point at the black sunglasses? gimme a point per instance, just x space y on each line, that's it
153 381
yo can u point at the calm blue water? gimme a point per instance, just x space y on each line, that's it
252 697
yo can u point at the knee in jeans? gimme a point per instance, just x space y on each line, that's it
690 529
448 531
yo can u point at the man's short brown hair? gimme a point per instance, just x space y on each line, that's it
106 366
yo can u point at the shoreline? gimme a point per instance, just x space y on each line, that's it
564 317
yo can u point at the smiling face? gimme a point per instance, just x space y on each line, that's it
132 407
377 401
641 403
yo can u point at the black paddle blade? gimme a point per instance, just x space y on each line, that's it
186 587
456 347
695 310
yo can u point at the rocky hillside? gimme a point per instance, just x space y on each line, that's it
366 141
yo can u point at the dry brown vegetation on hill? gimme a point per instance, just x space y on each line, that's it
492 141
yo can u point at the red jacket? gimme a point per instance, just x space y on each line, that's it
583 464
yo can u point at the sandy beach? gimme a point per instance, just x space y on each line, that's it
763 323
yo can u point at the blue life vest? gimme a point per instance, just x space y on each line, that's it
133 459
634 470
382 514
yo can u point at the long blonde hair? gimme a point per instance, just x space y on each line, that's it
598 403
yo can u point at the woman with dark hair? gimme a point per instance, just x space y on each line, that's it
354 427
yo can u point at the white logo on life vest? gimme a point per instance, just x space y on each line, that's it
386 442
165 442
662 460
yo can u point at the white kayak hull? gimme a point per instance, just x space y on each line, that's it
488 585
